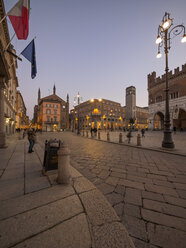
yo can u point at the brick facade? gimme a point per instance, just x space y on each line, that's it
177 99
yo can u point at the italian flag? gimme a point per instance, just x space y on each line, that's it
19 17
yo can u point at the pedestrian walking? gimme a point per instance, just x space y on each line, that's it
143 132
31 138
129 135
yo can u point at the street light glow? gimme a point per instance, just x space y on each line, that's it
183 40
158 40
158 56
167 24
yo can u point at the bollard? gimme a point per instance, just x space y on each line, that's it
83 133
120 138
138 140
99 135
87 134
64 176
108 136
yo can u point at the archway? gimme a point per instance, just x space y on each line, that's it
180 123
159 121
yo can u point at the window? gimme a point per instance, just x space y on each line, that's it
48 118
55 118
48 111
55 111
174 95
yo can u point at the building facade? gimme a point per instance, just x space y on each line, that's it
99 113
8 81
52 112
109 115
177 99
22 121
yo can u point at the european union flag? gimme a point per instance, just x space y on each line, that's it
29 53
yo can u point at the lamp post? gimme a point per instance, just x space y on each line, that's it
78 98
166 31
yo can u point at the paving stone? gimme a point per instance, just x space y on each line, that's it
11 188
161 189
163 183
112 235
180 185
177 179
160 172
140 244
131 184
143 170
22 226
139 179
97 208
118 175
163 219
114 198
119 209
105 188
119 170
81 184
135 227
158 177
133 196
175 201
132 210
104 174
165 236
112 180
152 196
13 173
164 208
181 193
67 234
36 183
120 189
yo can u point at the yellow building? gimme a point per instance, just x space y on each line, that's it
100 113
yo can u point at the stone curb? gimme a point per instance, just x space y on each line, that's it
106 229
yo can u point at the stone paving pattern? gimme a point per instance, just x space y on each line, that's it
152 139
37 212
146 188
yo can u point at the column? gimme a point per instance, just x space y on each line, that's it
2 118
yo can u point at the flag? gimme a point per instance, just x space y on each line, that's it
29 53
19 17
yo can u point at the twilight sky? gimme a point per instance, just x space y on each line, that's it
96 47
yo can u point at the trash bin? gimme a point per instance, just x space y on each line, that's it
50 156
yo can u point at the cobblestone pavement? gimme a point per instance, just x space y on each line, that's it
152 139
146 188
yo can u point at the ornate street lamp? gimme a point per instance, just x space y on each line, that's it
166 31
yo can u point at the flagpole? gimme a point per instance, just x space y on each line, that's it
10 42
3 19
18 56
